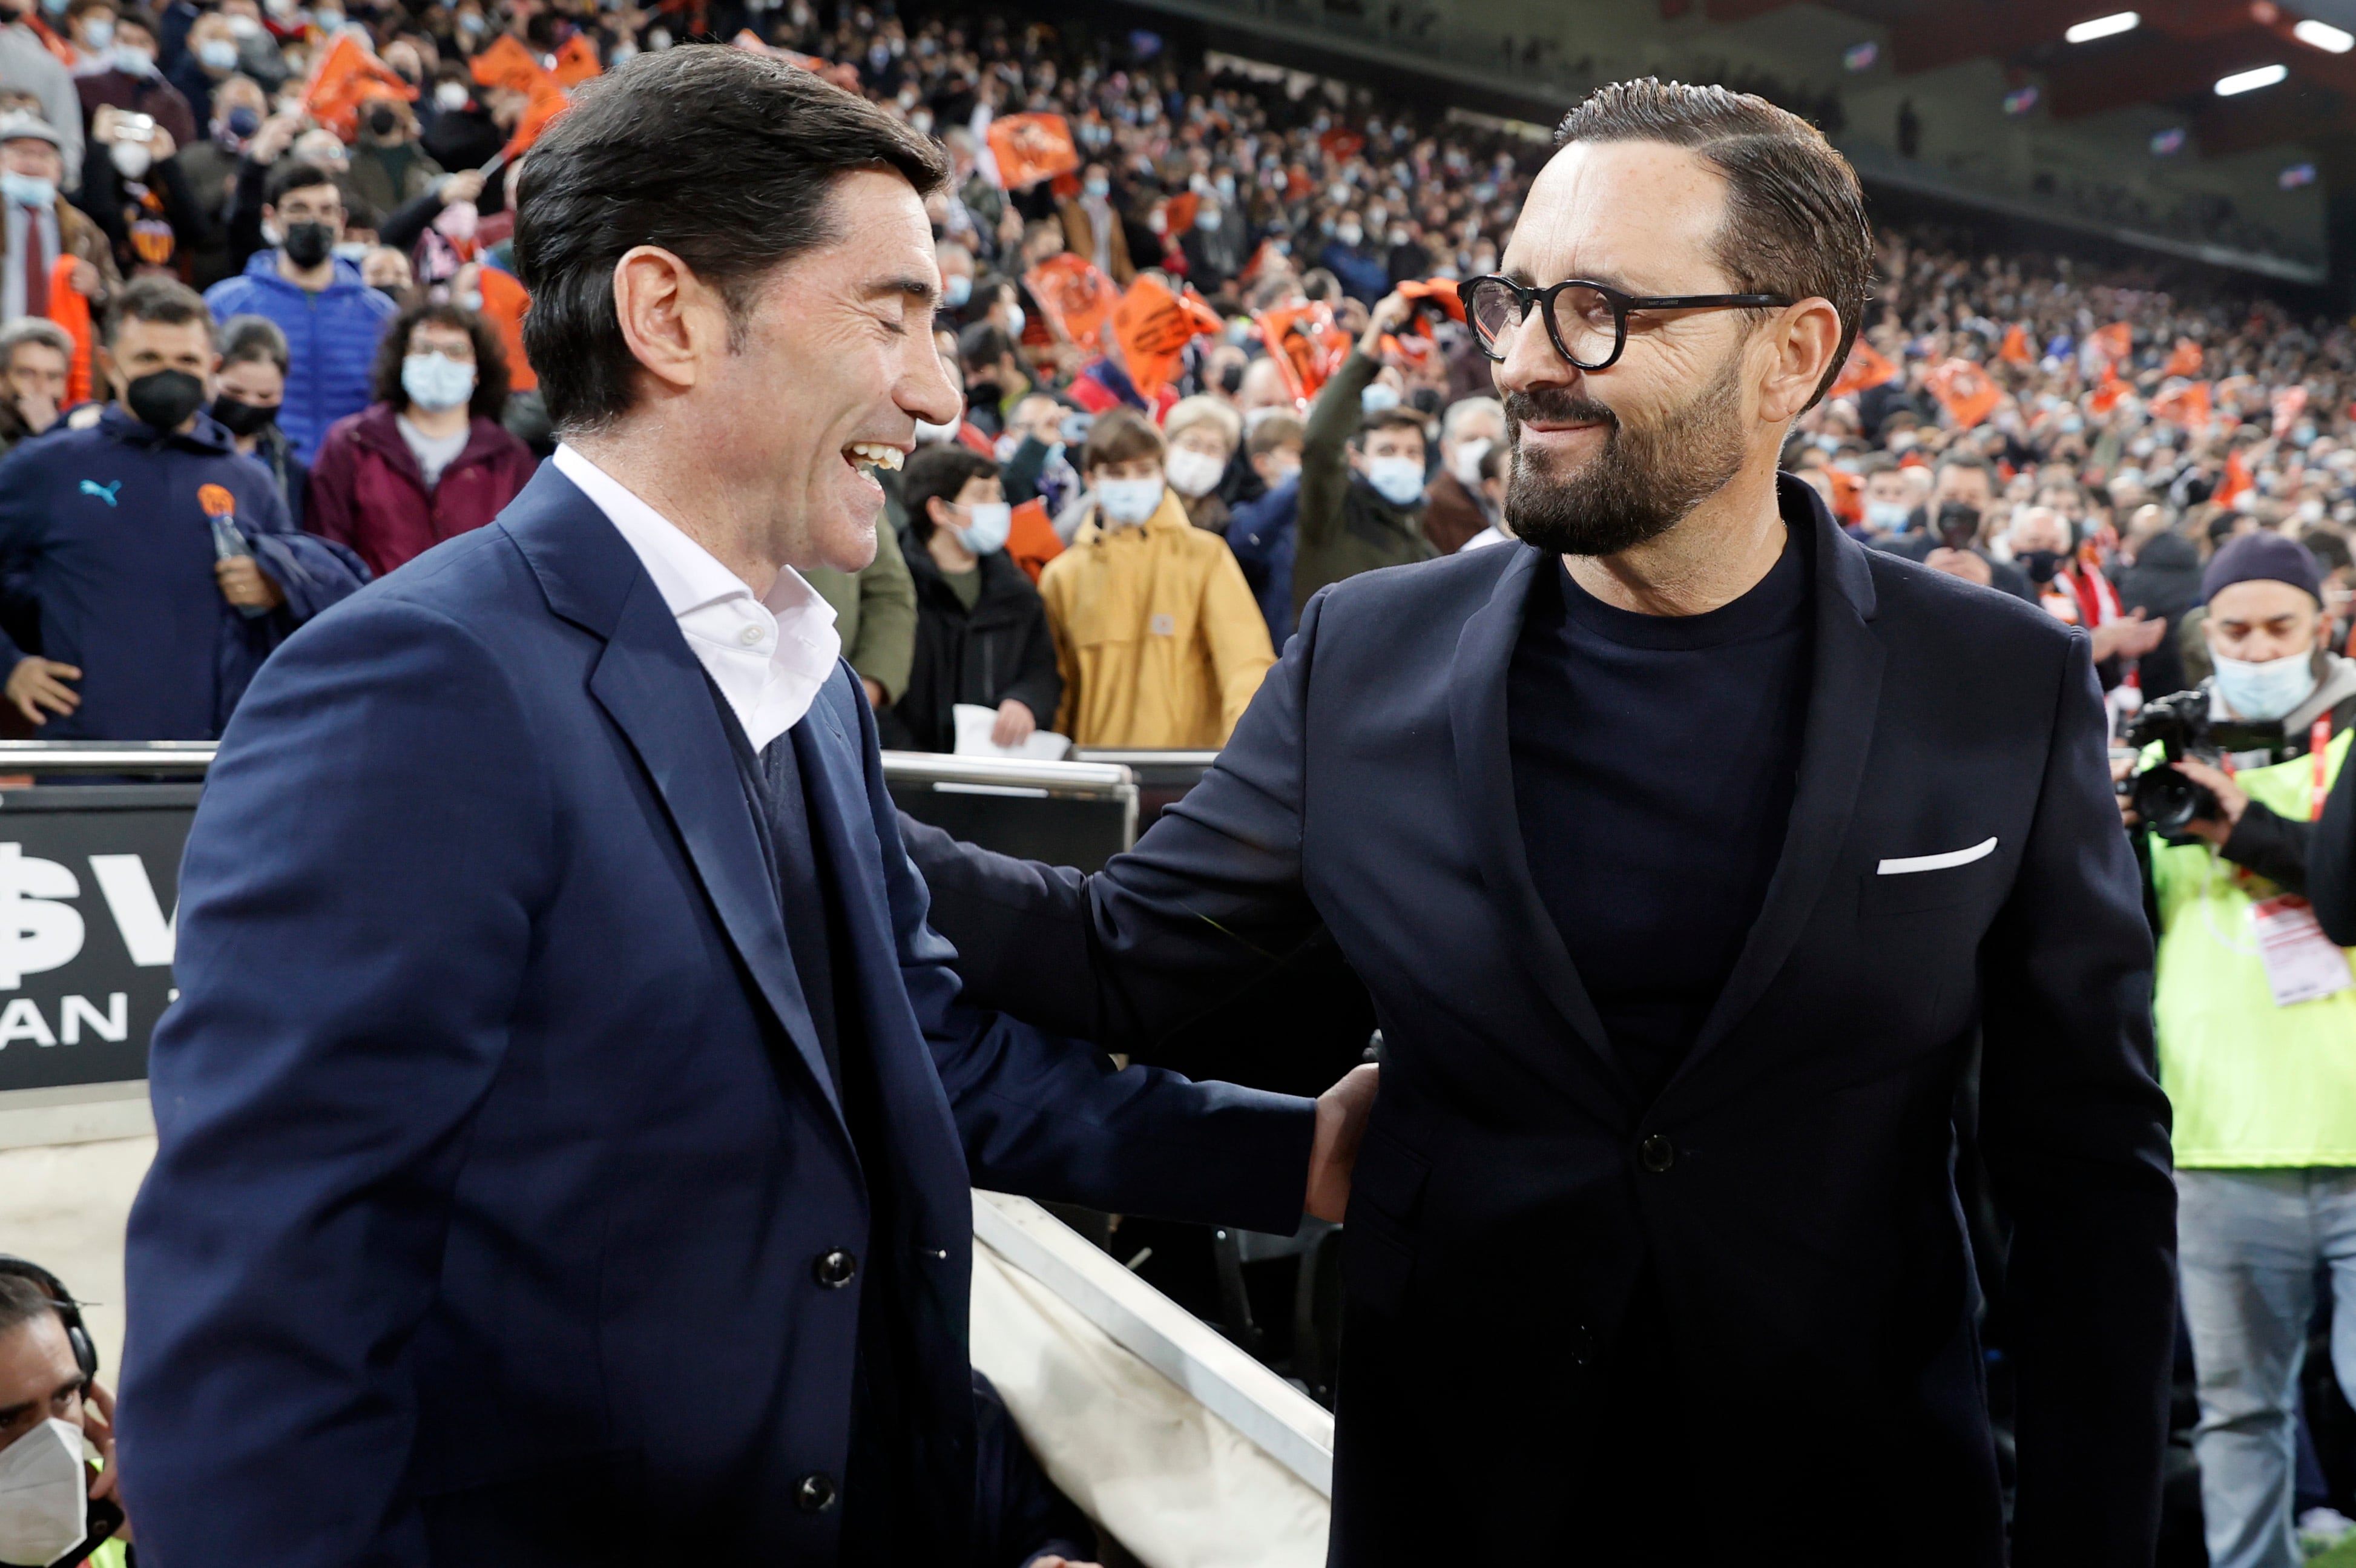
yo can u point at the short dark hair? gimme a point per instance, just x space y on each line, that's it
984 345
940 470
1274 430
293 174
1796 222
254 340
1964 459
166 301
132 16
1392 419
21 1302
2329 548
490 357
725 158
1120 434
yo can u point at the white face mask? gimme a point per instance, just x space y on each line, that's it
44 1493
1465 464
451 96
931 434
1128 502
986 526
130 158
1193 474
1015 320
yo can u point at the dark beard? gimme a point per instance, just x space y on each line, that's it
1640 484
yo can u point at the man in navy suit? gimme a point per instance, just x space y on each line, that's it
566 1122
1685 850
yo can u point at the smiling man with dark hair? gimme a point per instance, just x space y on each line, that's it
565 1127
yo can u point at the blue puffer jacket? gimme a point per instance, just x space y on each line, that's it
331 340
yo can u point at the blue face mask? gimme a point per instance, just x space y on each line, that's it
435 381
1129 501
1398 480
1890 517
1378 397
987 523
27 190
956 290
2264 692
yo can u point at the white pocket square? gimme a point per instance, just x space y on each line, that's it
1937 862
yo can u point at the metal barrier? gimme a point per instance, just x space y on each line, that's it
1163 776
1066 813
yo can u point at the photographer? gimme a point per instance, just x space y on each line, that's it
60 1510
2255 1010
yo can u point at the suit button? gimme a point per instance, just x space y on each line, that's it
1656 1153
834 1269
1578 1345
815 1493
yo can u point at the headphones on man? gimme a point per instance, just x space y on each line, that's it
69 1310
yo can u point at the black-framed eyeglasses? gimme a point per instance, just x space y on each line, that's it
1588 321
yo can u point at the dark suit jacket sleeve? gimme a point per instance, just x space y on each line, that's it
2076 1134
1048 1117
1208 900
355 924
2331 859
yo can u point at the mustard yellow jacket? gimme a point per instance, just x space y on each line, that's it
1157 635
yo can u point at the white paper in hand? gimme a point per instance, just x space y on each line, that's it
2302 965
973 727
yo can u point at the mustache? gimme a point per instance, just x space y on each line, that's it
1556 405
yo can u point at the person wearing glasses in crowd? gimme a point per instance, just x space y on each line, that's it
1683 874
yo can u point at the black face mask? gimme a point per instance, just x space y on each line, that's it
163 398
383 123
242 418
2041 564
984 395
307 244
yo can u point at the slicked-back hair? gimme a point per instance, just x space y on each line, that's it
726 158
1796 222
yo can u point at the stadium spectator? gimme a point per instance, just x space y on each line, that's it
34 354
1157 636
28 68
40 224
1093 229
875 616
209 60
388 169
1495 464
247 390
428 460
135 191
2078 594
1261 532
153 614
52 1405
1454 507
1361 474
2162 580
981 630
332 320
1202 433
132 84
1890 506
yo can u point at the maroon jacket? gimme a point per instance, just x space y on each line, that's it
368 492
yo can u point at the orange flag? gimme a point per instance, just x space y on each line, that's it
547 103
2187 405
505 300
69 308
345 77
1031 540
2185 360
508 64
1439 292
2107 396
2237 479
2288 405
1965 390
1075 295
2015 347
576 63
1032 147
1866 367
1154 326
1305 344
2116 341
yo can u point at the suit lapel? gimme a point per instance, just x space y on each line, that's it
1844 691
649 683
1485 773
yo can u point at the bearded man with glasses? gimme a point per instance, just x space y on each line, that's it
1684 877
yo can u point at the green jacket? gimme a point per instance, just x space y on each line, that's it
1344 527
875 612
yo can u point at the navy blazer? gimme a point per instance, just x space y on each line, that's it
1789 1190
495 1151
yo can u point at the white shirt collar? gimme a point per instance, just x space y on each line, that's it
770 656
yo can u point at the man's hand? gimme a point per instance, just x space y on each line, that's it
1341 1112
874 692
1964 563
244 583
2130 638
1015 724
38 409
463 186
277 135
98 1425
1393 309
36 683
2122 769
2229 801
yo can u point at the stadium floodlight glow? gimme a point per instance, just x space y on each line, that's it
2104 26
2325 36
2251 80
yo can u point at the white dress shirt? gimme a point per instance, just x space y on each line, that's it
770 655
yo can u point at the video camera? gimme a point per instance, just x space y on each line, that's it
2166 800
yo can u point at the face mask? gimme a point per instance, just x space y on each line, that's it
1208 221
436 382
2302 435
987 525
622 53
1099 188
352 251
1015 320
2042 565
130 158
1129 501
44 1493
132 60
163 398
98 34
1466 463
329 21
450 96
242 418
2263 692
1889 517
382 122
1398 480
307 244
1349 234
931 434
1378 397
957 289
468 22
1193 474
241 123
2142 445
27 190
244 26
218 54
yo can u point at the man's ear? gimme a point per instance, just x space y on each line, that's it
671 318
